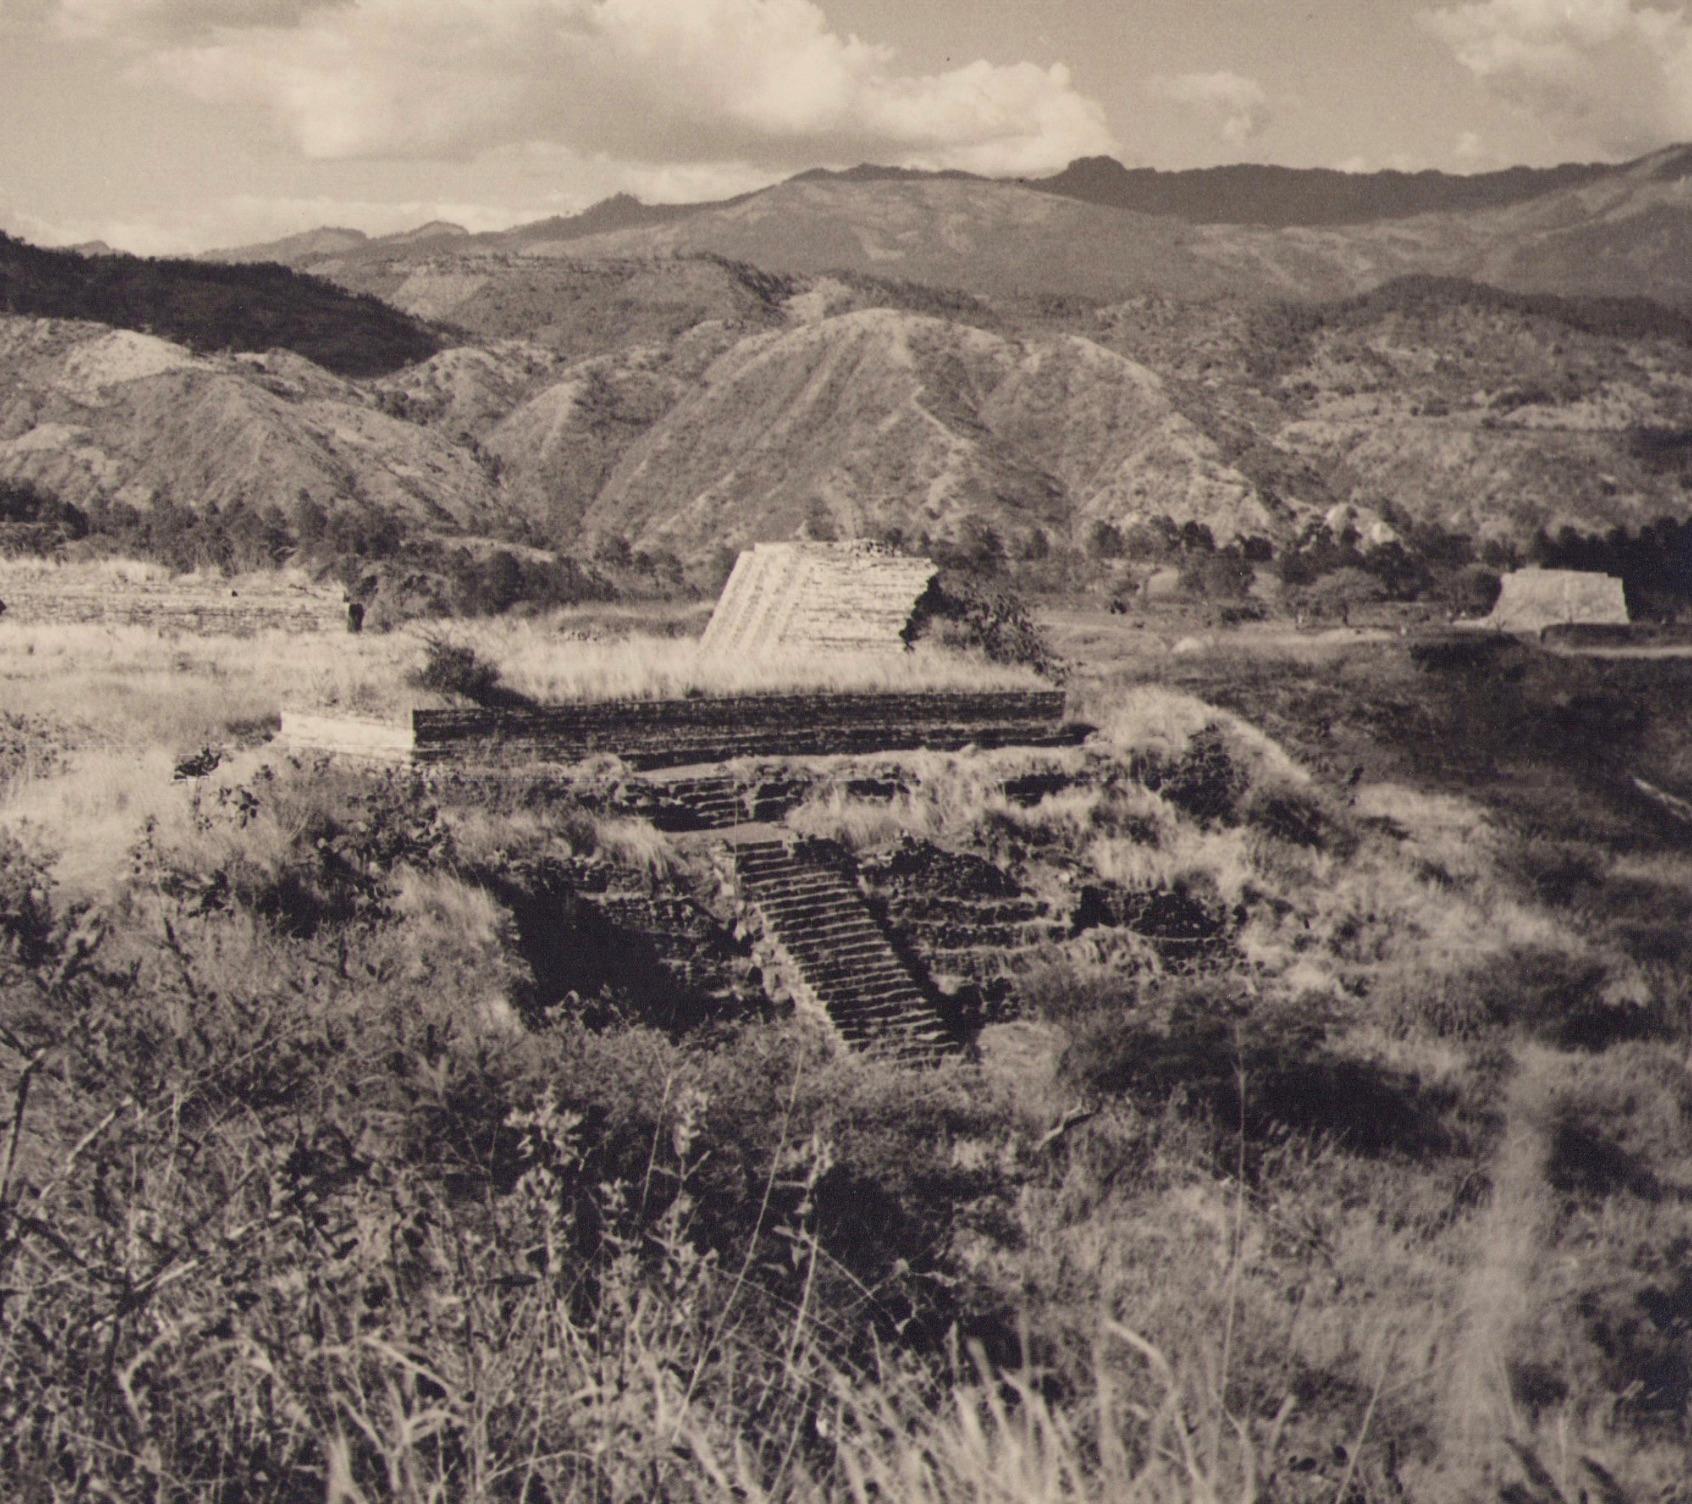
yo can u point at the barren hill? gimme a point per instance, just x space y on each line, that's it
881 418
293 250
699 402
97 414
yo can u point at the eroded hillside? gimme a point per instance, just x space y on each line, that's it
695 404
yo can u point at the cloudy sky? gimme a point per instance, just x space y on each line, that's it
162 125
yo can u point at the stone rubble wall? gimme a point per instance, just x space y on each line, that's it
660 733
816 597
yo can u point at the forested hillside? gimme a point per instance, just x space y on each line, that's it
210 307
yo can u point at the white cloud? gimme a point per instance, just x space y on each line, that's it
757 83
1607 74
1240 106
176 18
1470 150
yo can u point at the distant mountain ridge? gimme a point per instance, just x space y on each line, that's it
1243 193
1103 231
1286 196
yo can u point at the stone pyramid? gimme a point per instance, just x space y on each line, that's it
817 597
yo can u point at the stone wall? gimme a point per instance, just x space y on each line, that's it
347 736
205 607
670 733
817 597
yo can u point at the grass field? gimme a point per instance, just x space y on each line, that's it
310 1189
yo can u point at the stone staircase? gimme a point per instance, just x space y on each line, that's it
817 937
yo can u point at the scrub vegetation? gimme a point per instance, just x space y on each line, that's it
1333 1141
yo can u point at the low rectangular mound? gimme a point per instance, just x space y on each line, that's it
670 733
1530 600
676 732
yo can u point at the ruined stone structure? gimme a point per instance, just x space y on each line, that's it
817 597
1531 600
818 945
188 604
674 733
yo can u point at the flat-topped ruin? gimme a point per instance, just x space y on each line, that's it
817 597
1531 600
678 732
204 605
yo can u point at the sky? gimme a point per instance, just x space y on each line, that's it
176 125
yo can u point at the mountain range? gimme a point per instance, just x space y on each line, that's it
1100 230
882 348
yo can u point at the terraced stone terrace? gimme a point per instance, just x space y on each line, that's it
724 771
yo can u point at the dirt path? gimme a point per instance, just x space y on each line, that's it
1499 1294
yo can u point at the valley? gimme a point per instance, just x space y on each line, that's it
1200 1023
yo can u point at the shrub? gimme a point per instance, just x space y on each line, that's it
1203 780
961 611
1559 995
455 668
1260 1069
1297 815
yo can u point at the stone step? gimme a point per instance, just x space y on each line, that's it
815 909
795 888
850 937
864 959
812 962
831 921
849 1001
832 949
750 853
890 1021
863 984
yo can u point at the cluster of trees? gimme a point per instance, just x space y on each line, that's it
1654 562
209 306
350 541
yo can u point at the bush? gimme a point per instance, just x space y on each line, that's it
455 668
965 612
1262 1070
1297 816
1558 995
1204 780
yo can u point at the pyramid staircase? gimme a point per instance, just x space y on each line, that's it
816 936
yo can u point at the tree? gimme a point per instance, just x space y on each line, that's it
612 551
1227 575
1197 538
980 545
1104 540
819 523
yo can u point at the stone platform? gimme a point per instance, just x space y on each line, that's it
674 733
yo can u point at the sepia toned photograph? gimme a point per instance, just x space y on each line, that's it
837 752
